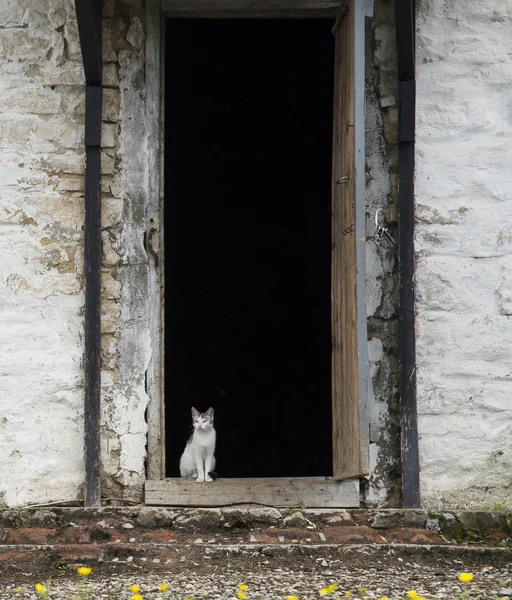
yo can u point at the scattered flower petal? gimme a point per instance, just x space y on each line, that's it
84 571
412 594
291 598
329 589
40 588
137 597
241 595
466 577
134 589
163 587
243 587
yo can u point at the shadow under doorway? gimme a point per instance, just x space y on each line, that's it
248 154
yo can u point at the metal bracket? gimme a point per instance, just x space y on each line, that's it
381 232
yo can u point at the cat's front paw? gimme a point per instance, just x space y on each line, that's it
208 479
200 480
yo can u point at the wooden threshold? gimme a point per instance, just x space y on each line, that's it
311 492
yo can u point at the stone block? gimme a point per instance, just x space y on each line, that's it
107 163
75 535
30 535
413 536
24 45
111 105
155 517
109 316
248 517
112 213
352 534
394 518
109 257
110 76
79 553
201 518
34 100
73 102
109 135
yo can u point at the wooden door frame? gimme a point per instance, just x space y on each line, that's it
157 11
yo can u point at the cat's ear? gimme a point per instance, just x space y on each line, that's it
209 413
195 413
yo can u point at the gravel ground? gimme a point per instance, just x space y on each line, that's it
382 575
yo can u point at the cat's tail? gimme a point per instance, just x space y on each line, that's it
213 475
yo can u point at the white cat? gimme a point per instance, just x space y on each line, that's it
197 460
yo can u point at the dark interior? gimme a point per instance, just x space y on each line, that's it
248 113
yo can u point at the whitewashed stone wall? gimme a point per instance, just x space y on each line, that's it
42 98
464 251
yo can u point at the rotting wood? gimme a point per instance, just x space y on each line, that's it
279 491
154 244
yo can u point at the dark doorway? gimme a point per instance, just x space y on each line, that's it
248 138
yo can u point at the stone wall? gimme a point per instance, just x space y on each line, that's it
383 484
42 99
463 249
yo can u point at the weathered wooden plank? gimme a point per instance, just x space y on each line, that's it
278 491
250 8
154 243
347 452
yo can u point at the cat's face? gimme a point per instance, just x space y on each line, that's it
202 421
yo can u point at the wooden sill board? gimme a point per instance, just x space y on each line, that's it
312 492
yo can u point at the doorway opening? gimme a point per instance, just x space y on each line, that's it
248 161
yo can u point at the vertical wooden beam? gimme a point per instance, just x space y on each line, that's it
349 356
155 375
89 18
407 334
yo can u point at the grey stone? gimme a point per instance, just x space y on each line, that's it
154 517
432 524
297 519
247 517
205 518
482 522
394 518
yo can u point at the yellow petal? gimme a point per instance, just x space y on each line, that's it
134 589
163 587
84 571
243 587
291 598
137 597
412 594
325 591
466 577
40 588
241 595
